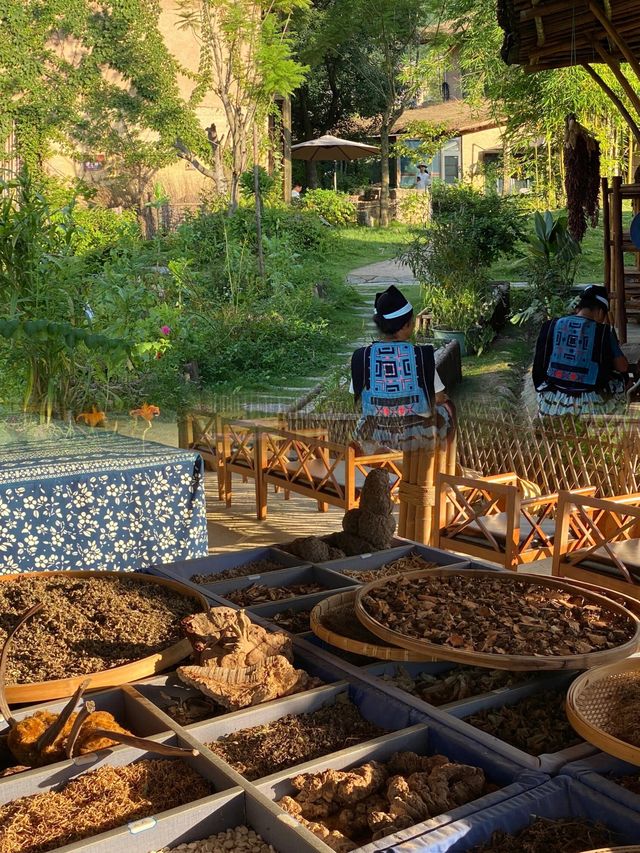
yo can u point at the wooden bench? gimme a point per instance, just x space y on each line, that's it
329 473
598 541
489 519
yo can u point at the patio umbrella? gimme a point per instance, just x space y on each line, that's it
332 148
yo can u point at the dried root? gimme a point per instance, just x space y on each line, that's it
374 800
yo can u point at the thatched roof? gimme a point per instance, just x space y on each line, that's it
541 34
460 117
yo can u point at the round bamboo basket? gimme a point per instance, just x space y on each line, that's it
589 702
496 661
631 604
61 688
633 848
373 649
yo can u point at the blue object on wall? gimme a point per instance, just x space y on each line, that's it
635 231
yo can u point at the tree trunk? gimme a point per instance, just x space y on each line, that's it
384 169
256 190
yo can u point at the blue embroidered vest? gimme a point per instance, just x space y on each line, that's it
394 390
576 355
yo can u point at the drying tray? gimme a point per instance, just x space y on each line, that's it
374 649
588 702
60 688
435 651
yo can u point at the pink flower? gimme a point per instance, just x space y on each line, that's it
166 330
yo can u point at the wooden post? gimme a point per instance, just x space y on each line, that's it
606 224
185 431
617 264
286 149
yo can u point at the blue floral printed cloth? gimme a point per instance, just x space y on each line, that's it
91 499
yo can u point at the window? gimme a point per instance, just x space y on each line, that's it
451 168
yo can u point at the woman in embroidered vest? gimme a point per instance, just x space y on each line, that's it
579 367
397 383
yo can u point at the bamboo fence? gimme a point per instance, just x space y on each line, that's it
558 453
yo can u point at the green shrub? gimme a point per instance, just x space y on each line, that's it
550 264
334 207
265 182
493 224
99 229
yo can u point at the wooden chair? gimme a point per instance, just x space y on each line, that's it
203 432
489 519
598 541
329 473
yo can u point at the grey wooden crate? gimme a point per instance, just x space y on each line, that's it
371 562
547 762
195 822
45 778
284 578
425 740
382 668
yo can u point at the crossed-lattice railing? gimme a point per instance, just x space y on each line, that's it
555 453
323 470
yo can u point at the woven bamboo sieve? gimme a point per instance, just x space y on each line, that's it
61 688
496 661
589 702
374 649
633 848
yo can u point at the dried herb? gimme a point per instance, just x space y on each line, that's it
536 724
410 563
261 750
96 802
582 177
631 783
547 836
491 615
255 567
342 620
296 621
349 808
258 593
185 710
454 684
241 839
620 698
86 624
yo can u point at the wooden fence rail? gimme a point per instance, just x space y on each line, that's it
558 454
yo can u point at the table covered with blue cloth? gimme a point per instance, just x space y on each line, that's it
74 498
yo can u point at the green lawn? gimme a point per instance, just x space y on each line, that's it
357 247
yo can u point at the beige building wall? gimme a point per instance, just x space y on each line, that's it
473 146
181 181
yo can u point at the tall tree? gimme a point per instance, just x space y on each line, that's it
83 77
246 58
533 107
384 39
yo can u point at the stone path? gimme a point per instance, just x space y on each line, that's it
367 281
382 272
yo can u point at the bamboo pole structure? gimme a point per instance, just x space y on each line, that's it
617 271
606 223
417 489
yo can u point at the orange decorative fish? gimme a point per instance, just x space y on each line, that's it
92 418
146 412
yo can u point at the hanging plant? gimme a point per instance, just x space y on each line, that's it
582 177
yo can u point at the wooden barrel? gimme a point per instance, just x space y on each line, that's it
60 688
